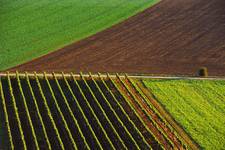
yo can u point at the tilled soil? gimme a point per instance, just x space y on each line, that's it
173 37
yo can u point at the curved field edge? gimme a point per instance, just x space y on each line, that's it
31 29
198 106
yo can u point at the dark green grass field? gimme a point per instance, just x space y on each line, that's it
32 28
198 106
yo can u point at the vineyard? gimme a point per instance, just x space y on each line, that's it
68 111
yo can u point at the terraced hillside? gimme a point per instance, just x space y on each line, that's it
172 37
66 111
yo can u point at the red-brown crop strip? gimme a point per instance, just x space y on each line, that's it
61 114
38 112
158 118
27 112
93 112
6 116
126 97
103 111
127 117
150 126
149 112
112 109
70 111
49 113
16 113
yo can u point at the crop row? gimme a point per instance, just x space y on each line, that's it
157 143
73 113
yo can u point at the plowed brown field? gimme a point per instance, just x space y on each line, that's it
172 37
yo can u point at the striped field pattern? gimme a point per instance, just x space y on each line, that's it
67 111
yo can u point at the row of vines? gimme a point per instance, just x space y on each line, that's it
77 112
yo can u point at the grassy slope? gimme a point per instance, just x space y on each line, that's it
31 28
198 106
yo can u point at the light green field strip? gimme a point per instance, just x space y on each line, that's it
71 112
61 114
17 113
32 28
135 112
27 112
92 111
114 112
82 112
6 116
38 112
198 106
49 112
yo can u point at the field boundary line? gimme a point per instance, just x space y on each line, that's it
104 75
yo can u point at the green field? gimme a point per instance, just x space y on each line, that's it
32 28
198 106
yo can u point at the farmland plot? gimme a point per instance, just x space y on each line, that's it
33 28
76 112
198 106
